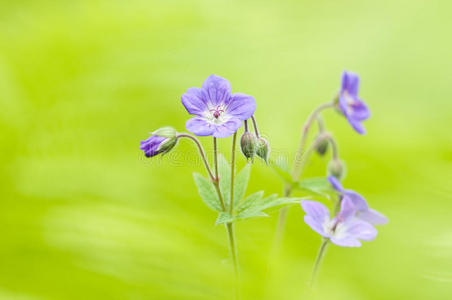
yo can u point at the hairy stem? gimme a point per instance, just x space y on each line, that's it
202 153
216 180
256 130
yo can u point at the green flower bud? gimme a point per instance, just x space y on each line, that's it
171 139
336 168
263 149
322 147
248 144
168 132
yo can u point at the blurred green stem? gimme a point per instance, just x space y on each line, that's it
230 226
297 168
318 261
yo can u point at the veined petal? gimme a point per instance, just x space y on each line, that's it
359 110
199 126
350 83
346 242
358 201
217 90
315 225
241 106
316 210
226 129
360 230
356 125
335 183
373 217
348 209
195 101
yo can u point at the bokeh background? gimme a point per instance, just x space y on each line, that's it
83 214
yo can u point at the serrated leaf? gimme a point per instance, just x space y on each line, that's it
251 214
250 202
317 185
241 183
224 217
273 201
207 191
224 172
281 167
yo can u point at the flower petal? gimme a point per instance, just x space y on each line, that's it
350 83
227 129
360 230
241 106
356 125
348 209
359 111
346 242
217 89
335 183
315 225
316 210
195 101
373 217
199 126
358 201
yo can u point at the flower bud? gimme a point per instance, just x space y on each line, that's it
263 149
161 141
336 168
248 144
322 147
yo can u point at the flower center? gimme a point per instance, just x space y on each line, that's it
217 111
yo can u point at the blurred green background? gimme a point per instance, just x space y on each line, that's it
85 216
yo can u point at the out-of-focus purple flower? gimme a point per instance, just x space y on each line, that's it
343 230
218 112
353 108
161 141
363 211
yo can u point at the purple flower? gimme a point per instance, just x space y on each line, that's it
218 112
343 230
363 211
161 141
353 108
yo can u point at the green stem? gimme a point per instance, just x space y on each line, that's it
230 226
201 152
216 180
318 261
297 166
256 130
234 141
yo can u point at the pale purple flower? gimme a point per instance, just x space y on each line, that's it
351 106
218 112
363 211
343 230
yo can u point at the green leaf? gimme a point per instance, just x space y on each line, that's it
281 167
250 202
207 191
224 217
273 200
224 172
317 185
241 182
251 214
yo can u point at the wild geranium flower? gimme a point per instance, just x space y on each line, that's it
343 230
161 141
218 112
363 211
351 106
